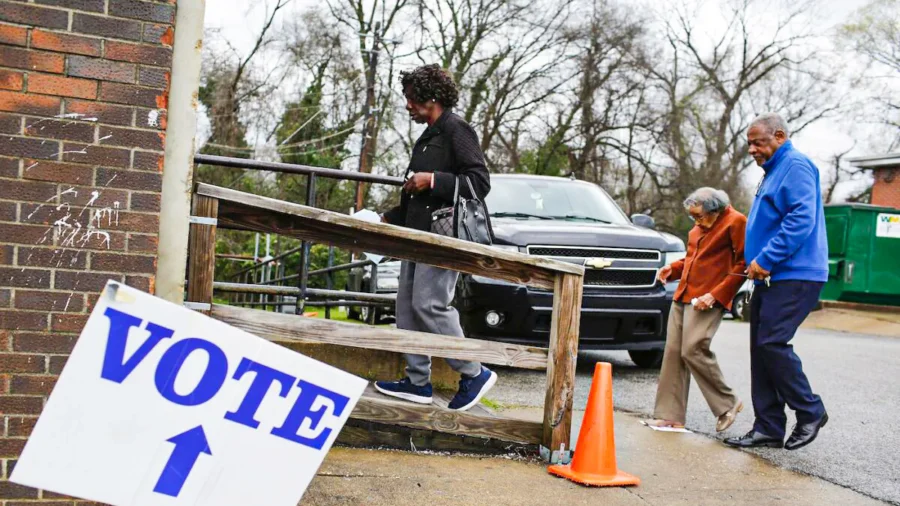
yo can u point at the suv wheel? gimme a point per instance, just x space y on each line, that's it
646 359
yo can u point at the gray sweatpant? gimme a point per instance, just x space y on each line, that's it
423 304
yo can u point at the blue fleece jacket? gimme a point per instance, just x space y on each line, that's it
786 226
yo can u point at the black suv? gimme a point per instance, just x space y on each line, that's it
623 306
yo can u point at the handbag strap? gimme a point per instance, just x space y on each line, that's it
456 191
471 189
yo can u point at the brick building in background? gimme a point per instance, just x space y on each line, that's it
886 172
83 95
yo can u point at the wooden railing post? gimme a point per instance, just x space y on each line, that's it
202 251
561 361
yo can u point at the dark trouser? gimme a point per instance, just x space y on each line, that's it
777 374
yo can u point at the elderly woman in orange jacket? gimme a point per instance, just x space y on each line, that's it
710 277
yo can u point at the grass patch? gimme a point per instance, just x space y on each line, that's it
488 403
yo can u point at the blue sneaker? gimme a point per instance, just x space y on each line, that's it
404 389
471 390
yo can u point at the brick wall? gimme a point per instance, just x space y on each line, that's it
83 89
886 190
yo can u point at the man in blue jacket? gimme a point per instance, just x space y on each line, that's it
787 254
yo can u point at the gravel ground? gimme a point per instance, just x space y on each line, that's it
858 377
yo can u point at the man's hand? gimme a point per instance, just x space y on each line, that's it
664 274
705 302
419 182
757 272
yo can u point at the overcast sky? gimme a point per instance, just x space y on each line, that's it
238 21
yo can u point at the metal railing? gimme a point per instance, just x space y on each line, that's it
260 272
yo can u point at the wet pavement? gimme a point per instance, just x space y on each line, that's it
858 377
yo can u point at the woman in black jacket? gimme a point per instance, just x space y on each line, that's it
446 153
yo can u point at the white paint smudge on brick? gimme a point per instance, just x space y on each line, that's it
153 118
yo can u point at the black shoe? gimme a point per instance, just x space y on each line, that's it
806 433
754 439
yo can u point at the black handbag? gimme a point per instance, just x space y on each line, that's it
466 219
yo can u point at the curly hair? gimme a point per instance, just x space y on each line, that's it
430 82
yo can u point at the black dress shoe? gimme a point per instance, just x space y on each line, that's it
754 439
805 433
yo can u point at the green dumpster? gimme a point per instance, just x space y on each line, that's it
863 254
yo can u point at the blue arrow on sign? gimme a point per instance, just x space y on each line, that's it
188 447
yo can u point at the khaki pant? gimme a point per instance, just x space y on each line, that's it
687 353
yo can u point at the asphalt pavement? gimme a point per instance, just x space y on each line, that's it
858 377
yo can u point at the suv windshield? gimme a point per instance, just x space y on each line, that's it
536 198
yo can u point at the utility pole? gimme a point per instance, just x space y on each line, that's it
367 150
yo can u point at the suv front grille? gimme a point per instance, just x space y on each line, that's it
611 253
620 278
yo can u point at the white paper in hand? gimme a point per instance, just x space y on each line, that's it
371 217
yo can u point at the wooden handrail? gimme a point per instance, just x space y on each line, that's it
252 212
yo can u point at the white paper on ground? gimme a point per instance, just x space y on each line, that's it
371 217
666 429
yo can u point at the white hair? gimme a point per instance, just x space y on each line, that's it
709 199
773 122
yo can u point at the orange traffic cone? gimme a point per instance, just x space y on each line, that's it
594 462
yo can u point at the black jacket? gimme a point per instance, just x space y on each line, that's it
450 149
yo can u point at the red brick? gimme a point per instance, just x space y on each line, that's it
30 59
159 34
105 113
29 104
5 298
35 385
142 243
66 43
10 124
135 222
138 53
27 190
26 234
143 139
144 160
144 284
11 447
21 426
24 278
7 211
96 155
62 86
9 167
6 255
58 172
128 94
57 363
145 202
144 11
34 148
82 5
43 343
19 405
10 490
20 363
131 180
52 257
34 16
105 70
14 35
123 263
64 130
82 281
95 239
66 322
106 27
105 197
11 80
49 301
21 320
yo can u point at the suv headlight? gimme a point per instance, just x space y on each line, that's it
506 247
388 283
673 256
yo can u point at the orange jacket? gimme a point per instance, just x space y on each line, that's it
711 255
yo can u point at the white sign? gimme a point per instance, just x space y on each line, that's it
159 405
887 225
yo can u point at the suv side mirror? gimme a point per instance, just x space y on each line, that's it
642 220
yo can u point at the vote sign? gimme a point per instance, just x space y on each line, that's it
160 405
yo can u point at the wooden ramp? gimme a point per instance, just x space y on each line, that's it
378 417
